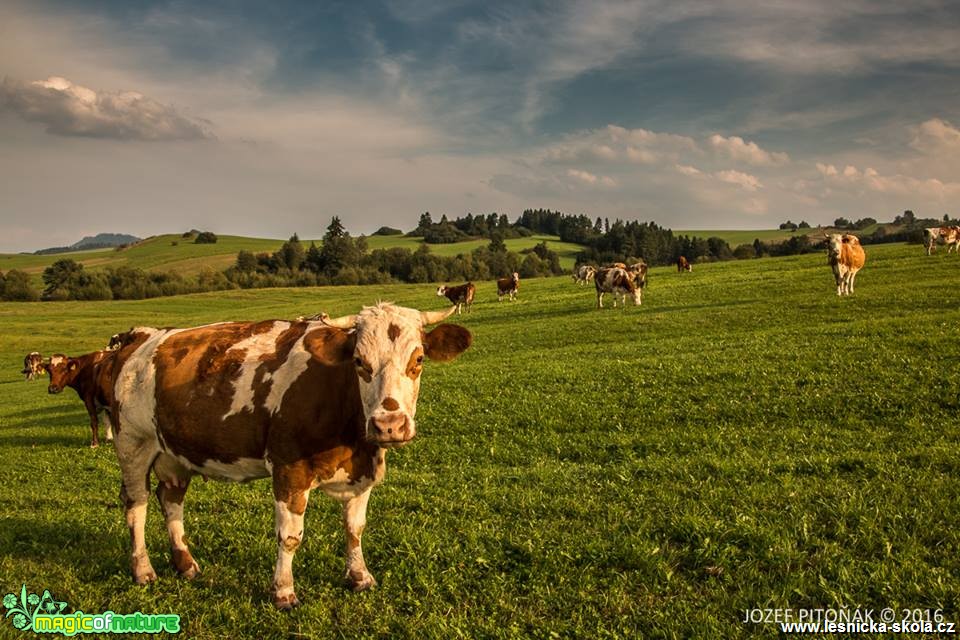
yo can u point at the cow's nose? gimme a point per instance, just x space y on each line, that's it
390 426
52 389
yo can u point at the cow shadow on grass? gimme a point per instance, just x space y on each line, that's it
77 544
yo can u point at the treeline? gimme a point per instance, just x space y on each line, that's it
344 260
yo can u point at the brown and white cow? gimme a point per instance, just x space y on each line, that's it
639 273
311 405
846 257
584 274
508 286
461 295
91 376
32 365
947 235
683 265
619 282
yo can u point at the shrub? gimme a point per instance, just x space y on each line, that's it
205 237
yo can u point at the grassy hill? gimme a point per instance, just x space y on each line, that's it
159 253
743 440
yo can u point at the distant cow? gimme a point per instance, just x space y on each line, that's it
683 265
91 376
943 235
32 365
461 295
619 282
311 405
508 286
115 343
639 273
846 257
584 274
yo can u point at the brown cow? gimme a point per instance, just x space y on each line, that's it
32 365
91 376
460 295
508 286
619 282
846 257
683 265
312 405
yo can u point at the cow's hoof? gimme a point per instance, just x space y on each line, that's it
360 581
94 445
287 602
145 578
185 565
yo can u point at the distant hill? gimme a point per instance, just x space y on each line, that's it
99 241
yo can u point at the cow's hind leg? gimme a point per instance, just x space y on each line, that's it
174 479
289 507
354 521
94 436
136 458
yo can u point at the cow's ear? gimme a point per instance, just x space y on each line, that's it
330 345
72 366
446 341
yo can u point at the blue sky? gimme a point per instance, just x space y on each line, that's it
269 118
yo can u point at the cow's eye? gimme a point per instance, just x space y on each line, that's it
419 359
358 361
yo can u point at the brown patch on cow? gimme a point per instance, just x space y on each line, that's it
195 391
393 332
415 363
330 346
183 562
446 341
390 404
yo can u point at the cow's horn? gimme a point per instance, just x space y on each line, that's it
433 317
343 322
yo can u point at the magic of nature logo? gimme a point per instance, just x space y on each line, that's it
45 614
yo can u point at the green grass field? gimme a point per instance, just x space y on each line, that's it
745 439
738 237
186 258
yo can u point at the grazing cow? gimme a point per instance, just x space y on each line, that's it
311 405
942 235
846 257
615 265
316 316
508 286
683 265
460 295
618 282
584 274
32 365
115 342
639 273
91 376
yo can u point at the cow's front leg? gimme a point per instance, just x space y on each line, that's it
289 510
354 521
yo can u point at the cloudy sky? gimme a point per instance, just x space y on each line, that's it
268 118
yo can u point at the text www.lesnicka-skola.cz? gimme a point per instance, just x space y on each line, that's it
844 620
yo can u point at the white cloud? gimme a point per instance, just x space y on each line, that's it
588 178
736 148
871 180
69 109
936 136
687 170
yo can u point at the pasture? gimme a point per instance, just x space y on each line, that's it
745 439
170 252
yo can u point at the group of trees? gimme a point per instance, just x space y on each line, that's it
15 286
342 259
793 226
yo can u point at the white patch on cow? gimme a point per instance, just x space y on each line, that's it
239 470
291 369
339 487
135 386
255 347
55 360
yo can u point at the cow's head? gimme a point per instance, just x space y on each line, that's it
387 344
62 371
835 244
441 291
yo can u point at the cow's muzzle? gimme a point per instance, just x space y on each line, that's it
54 389
390 429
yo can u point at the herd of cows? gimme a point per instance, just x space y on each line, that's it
312 403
